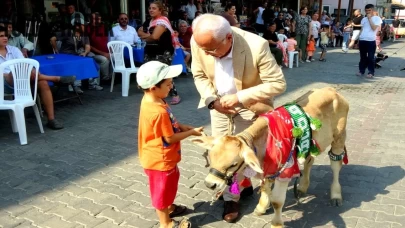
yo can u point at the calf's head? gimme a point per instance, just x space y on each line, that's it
227 155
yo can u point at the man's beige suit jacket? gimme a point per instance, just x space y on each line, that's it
257 76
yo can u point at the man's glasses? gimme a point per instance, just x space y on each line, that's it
124 19
213 51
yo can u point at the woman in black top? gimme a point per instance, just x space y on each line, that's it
158 34
271 36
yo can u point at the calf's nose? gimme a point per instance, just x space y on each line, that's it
210 185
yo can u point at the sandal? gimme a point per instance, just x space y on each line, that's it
175 100
178 210
370 76
181 224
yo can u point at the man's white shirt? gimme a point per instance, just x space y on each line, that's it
12 53
128 35
224 75
367 33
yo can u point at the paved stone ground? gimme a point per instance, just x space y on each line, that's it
88 174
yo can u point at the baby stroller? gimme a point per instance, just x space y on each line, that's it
380 57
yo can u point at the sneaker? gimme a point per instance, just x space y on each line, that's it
67 79
322 60
95 87
301 61
313 59
308 61
54 124
359 74
78 90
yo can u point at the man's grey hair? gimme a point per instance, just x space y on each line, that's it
218 26
183 22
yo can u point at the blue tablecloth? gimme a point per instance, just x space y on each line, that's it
139 56
67 65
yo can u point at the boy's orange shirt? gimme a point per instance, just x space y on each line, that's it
155 122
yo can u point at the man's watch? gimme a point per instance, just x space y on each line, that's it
211 105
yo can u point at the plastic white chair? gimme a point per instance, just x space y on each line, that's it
291 55
21 71
116 49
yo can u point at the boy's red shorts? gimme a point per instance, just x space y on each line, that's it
163 186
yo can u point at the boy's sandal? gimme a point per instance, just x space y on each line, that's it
181 224
178 210
175 100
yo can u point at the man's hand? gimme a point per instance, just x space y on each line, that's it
107 55
223 110
369 16
83 54
229 101
24 52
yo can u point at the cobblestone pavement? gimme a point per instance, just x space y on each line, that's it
88 174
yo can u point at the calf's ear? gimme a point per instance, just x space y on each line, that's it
206 142
251 160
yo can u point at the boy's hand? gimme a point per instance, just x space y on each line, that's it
197 131
184 127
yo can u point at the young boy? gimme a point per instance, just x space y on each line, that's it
325 34
159 137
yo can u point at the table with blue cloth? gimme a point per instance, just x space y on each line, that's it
138 54
67 65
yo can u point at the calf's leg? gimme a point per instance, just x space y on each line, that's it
304 180
277 200
265 196
337 149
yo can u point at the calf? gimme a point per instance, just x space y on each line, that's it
235 156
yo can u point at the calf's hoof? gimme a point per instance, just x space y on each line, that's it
299 194
259 212
336 202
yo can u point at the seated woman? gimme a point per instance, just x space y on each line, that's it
271 36
159 36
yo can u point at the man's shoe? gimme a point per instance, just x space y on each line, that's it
402 69
67 79
231 211
54 124
246 192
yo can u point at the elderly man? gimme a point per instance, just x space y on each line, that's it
233 70
185 34
17 40
8 52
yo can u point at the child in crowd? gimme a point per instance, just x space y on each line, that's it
292 44
282 37
311 49
186 53
159 137
347 30
325 34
